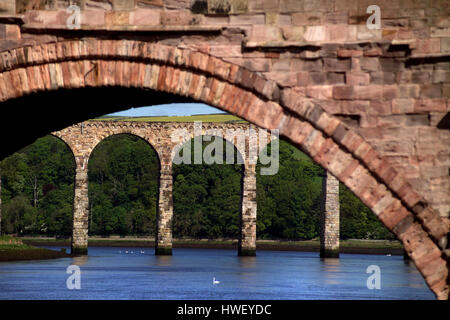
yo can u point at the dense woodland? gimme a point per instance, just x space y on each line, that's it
37 195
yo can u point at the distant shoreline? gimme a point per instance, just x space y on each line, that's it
346 246
31 254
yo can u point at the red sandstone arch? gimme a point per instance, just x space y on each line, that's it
193 74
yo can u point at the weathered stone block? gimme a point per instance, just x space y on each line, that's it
306 19
341 32
145 17
315 33
176 17
440 32
347 53
263 5
93 18
318 5
431 91
9 6
117 18
336 77
120 5
402 106
355 107
287 6
445 44
379 77
369 64
336 64
356 78
247 19
293 33
338 17
319 92
427 46
278 19
430 105
440 76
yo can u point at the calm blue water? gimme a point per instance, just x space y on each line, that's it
110 273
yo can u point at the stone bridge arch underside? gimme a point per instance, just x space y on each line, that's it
300 114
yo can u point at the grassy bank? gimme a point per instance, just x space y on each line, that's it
13 249
346 246
203 118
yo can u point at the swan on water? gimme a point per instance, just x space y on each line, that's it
215 281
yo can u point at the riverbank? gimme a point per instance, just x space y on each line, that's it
346 246
13 249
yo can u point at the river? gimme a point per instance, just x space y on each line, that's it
136 273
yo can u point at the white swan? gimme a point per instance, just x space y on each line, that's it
215 281
388 254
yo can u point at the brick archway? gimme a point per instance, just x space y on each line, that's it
235 89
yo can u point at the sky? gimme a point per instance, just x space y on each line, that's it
174 109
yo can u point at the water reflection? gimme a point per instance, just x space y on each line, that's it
247 262
80 260
163 261
330 262
331 270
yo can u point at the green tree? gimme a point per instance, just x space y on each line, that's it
37 194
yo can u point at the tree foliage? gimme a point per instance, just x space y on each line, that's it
38 194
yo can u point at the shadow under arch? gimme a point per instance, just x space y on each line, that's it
50 111
201 77
100 148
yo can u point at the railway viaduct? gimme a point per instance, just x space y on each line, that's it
369 103
166 138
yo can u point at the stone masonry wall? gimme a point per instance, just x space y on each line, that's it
81 208
247 240
329 219
391 85
371 106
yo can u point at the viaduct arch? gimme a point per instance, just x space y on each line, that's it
164 137
341 102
